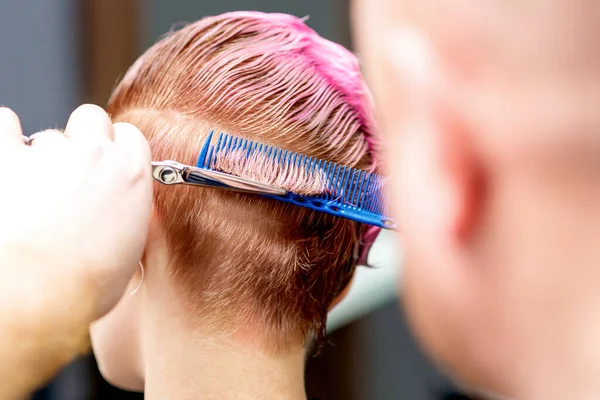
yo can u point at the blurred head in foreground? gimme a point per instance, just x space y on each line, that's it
490 115
236 285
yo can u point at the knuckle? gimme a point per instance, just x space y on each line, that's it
94 152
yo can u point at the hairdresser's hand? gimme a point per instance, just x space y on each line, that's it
75 206
74 214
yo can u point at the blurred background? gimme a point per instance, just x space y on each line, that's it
57 54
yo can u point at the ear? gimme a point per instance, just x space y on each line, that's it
155 231
441 182
464 172
154 239
437 174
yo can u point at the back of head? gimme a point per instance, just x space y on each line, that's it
243 260
490 110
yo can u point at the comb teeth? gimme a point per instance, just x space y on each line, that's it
310 182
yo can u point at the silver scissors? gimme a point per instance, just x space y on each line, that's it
174 173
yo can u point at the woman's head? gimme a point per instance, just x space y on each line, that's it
242 262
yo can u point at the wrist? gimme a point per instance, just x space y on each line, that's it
44 320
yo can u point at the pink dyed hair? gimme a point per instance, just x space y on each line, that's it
270 78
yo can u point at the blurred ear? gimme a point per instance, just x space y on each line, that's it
439 176
464 172
436 177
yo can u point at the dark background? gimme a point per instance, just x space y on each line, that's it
57 54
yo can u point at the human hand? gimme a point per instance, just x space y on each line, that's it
74 215
74 208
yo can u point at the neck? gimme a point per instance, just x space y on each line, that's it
182 362
212 371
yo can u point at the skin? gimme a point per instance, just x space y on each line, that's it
73 229
490 115
149 342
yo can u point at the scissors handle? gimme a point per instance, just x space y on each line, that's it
172 173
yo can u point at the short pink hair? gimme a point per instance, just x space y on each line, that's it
269 77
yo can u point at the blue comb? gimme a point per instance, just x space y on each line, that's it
348 192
